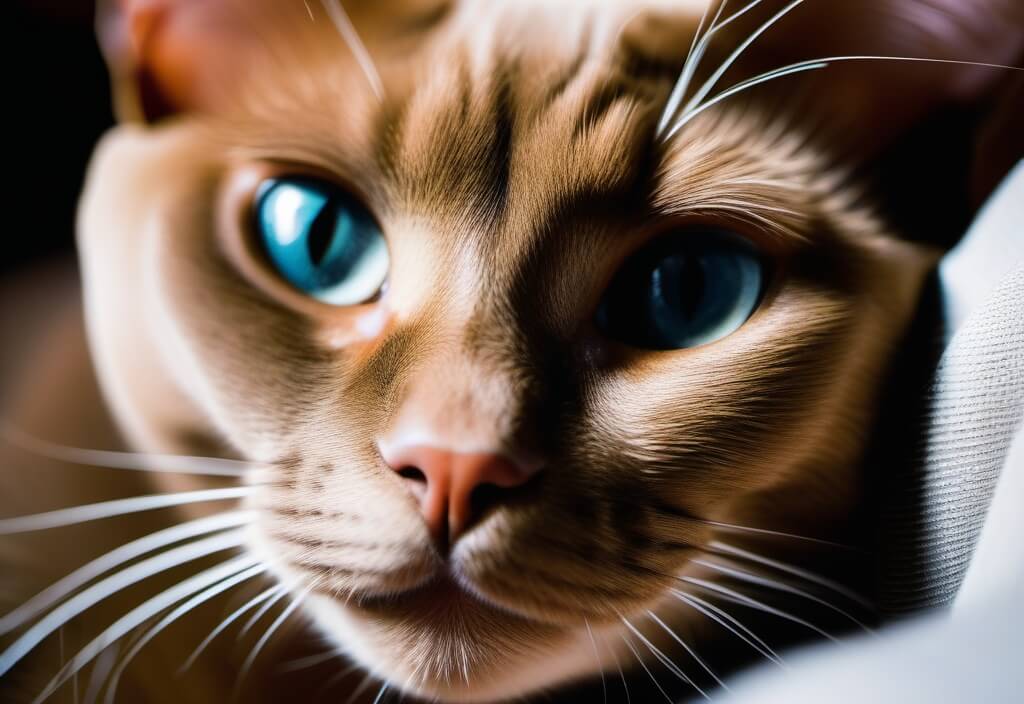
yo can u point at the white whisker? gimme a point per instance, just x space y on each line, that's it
119 507
693 60
312 660
663 658
743 599
682 83
597 658
363 686
728 622
618 666
104 664
139 615
709 84
813 65
777 586
111 585
650 674
793 570
281 593
267 635
348 33
380 694
133 461
332 681
197 600
777 533
231 618
739 88
129 551
687 648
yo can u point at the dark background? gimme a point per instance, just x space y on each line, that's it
56 104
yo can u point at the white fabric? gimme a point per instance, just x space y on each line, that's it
972 653
994 245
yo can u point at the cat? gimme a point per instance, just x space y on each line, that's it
538 363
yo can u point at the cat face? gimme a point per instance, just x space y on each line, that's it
494 424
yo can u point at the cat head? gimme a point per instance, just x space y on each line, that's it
516 362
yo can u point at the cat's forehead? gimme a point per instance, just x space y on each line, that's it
500 121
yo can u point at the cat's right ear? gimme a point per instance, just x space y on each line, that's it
171 56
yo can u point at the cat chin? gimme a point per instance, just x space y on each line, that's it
451 647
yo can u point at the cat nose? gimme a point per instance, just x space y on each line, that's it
455 489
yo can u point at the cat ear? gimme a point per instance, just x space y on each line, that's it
919 121
170 56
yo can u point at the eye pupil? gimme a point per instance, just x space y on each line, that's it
321 233
677 286
683 291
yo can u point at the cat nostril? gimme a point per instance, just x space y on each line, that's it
413 473
481 500
486 497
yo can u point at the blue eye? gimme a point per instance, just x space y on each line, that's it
683 291
321 240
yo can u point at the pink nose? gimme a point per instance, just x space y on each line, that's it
454 489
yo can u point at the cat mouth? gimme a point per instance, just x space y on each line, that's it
443 595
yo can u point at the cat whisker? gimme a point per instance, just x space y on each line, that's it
682 83
61 518
750 602
618 667
231 618
813 65
192 603
115 558
140 614
312 660
105 662
665 627
111 585
363 686
132 461
694 57
380 695
663 658
332 681
730 623
723 548
650 674
597 659
778 534
336 12
710 84
280 593
741 87
778 586
261 643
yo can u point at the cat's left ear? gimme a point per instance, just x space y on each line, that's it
931 124
172 56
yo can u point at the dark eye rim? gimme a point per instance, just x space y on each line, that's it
665 239
241 244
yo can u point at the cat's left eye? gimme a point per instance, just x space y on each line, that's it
683 290
321 240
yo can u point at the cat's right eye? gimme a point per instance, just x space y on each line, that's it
683 291
321 240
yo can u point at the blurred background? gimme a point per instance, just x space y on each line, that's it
57 103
